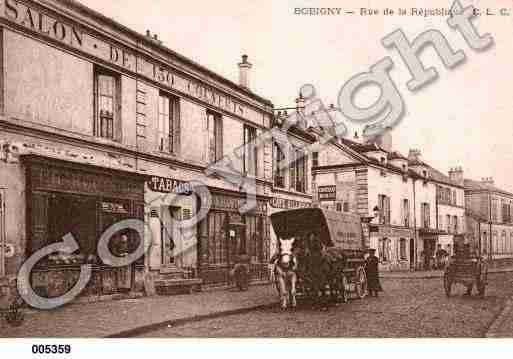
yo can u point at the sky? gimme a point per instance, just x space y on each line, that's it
462 119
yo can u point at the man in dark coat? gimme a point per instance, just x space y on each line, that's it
372 272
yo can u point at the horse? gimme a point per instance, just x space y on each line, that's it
284 271
325 270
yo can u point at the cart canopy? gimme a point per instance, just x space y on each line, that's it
336 229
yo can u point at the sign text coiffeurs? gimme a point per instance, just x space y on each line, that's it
35 20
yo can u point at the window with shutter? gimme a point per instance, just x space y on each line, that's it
215 136
38 221
107 91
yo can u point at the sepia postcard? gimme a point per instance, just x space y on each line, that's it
243 169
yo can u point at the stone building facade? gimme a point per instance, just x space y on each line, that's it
99 124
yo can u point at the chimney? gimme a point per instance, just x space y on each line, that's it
154 38
300 103
378 135
244 68
488 181
414 155
456 175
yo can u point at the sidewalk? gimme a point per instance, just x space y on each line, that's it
111 318
430 274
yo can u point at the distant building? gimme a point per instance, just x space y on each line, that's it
405 196
489 219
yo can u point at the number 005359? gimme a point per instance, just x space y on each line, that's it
51 349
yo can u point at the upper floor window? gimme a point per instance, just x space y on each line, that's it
425 215
298 175
495 210
454 198
402 249
384 209
215 136
315 159
406 212
346 207
278 168
449 228
168 123
506 213
455 223
250 150
107 99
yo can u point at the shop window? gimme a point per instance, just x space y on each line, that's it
402 249
484 243
107 102
278 168
215 136
250 150
168 123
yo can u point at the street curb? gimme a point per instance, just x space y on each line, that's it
432 276
180 321
494 330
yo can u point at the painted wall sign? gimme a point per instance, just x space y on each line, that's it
75 36
327 193
169 185
111 207
283 203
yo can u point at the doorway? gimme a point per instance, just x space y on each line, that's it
170 234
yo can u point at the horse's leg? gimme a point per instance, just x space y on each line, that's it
283 291
293 279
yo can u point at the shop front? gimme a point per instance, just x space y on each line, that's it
82 200
393 246
172 261
226 235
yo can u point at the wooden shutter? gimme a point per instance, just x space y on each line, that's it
38 221
218 137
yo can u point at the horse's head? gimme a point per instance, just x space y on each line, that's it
286 255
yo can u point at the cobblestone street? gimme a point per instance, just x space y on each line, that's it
407 308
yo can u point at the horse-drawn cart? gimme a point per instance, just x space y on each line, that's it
466 269
330 249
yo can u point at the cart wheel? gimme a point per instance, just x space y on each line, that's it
447 285
361 283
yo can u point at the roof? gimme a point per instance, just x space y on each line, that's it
472 185
395 155
438 176
74 4
361 147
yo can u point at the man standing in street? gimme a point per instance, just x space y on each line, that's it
372 272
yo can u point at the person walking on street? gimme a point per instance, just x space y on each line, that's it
372 272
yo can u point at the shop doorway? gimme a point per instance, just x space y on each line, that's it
170 234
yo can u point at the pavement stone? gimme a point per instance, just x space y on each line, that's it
104 319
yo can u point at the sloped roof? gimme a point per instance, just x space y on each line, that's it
472 185
438 176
